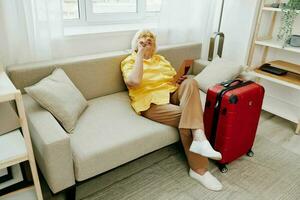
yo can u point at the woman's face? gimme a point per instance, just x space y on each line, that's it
148 42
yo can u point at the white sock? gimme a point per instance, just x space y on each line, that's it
201 145
198 135
204 148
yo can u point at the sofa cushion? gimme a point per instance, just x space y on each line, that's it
57 94
109 133
217 71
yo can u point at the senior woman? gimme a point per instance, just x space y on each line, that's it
154 95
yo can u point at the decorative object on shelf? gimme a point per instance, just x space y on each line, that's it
295 41
287 20
275 5
267 67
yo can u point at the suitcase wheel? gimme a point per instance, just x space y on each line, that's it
223 168
250 153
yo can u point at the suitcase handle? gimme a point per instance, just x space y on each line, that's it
230 82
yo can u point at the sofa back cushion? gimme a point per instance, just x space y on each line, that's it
95 75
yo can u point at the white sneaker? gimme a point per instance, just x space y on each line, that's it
205 149
207 180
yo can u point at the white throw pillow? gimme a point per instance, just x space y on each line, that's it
217 71
57 94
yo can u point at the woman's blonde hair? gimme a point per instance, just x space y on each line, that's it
140 34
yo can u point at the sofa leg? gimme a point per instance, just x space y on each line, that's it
71 193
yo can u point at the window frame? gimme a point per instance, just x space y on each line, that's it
81 16
87 17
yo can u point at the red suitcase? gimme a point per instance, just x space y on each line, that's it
231 116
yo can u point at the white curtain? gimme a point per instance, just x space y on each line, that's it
28 30
188 21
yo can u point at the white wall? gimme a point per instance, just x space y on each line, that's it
93 44
238 25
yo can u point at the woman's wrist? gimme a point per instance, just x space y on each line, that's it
140 54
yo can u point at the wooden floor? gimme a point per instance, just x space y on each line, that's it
273 173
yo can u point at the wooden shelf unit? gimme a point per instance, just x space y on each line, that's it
17 145
291 67
292 78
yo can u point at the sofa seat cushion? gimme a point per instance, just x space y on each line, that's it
109 133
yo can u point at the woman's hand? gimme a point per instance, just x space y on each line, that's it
142 47
135 78
181 79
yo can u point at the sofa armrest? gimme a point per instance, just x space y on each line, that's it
51 145
199 65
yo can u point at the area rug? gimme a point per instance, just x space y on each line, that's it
273 173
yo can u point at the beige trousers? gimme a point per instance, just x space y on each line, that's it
185 113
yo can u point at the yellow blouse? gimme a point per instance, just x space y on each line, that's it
156 84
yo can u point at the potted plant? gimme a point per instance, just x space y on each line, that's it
289 14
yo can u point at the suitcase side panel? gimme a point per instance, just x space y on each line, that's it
208 114
238 121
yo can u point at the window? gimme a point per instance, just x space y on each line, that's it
153 5
71 9
110 11
114 6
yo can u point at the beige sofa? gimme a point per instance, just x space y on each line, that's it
109 133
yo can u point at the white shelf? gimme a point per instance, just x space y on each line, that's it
13 149
22 194
275 9
277 45
14 146
281 108
272 9
269 78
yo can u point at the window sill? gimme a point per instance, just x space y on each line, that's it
106 29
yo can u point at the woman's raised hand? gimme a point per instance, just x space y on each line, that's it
142 47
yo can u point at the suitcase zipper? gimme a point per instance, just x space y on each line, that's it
218 106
